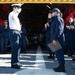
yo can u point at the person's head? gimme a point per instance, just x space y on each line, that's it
70 20
55 11
6 22
17 7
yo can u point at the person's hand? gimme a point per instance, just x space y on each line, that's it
54 42
46 25
68 27
72 27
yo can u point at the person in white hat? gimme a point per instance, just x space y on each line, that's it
14 35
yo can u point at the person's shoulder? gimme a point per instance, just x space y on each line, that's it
11 13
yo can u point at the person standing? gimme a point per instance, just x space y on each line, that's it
72 36
14 35
23 39
69 37
57 34
4 29
47 30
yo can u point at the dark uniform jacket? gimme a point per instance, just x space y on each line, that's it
4 32
71 33
57 29
47 31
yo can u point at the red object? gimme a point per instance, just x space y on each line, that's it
70 15
1 22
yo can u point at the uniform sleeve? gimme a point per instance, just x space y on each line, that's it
49 21
57 29
24 30
2 28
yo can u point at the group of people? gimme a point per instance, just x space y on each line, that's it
54 30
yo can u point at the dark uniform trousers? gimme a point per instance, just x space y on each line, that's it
72 36
60 53
23 39
14 37
23 42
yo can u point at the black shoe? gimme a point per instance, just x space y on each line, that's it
73 59
16 66
51 57
3 52
69 54
60 68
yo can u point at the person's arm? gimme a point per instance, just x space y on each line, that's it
13 17
45 27
24 31
2 28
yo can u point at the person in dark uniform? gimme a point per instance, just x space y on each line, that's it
23 39
4 29
57 29
72 36
15 35
47 34
68 36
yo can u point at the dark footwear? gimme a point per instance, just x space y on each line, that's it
16 66
49 57
69 54
73 59
53 57
60 68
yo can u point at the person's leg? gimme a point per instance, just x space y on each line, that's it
61 61
73 49
15 47
5 44
51 54
2 45
60 56
24 44
70 48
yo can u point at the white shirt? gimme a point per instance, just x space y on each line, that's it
14 23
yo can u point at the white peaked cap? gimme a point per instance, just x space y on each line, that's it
17 4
